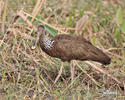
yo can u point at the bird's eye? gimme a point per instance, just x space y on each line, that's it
40 28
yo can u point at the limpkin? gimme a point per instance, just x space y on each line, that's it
70 47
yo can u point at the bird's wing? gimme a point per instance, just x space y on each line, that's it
72 49
77 49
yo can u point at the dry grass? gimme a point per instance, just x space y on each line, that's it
29 74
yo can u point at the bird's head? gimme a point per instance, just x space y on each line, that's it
40 31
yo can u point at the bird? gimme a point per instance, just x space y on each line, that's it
69 47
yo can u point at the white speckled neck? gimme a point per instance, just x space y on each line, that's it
48 43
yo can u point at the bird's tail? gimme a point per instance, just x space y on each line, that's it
99 56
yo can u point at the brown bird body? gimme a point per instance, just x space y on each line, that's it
71 47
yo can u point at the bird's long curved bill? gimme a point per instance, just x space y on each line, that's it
34 42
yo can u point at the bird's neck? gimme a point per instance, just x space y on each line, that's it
46 43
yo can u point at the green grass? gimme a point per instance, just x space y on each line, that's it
27 73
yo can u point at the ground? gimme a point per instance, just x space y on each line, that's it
29 74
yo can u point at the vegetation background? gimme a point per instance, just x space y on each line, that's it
28 74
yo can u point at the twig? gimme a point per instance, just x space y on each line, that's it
37 11
88 75
4 17
46 23
102 71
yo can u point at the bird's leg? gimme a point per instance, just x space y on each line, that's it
72 70
59 74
